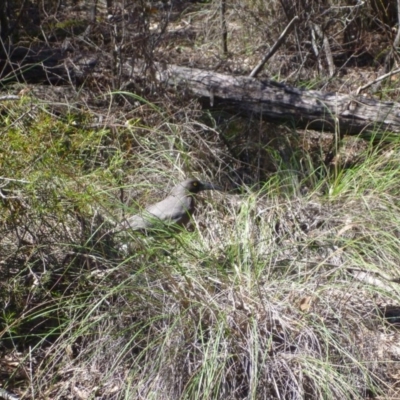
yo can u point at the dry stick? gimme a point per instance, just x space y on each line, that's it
329 57
9 97
7 395
275 47
381 78
327 48
315 48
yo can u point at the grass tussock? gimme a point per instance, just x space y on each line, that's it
271 294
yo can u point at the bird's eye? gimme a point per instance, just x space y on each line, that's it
195 184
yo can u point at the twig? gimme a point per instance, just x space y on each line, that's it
9 97
327 48
274 48
373 278
315 47
381 78
13 180
7 395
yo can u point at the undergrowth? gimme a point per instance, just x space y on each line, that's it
274 291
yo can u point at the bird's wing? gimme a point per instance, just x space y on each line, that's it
172 209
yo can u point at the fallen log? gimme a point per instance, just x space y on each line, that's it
334 112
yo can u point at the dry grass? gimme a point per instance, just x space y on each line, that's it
272 294
286 285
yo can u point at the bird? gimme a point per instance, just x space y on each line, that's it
175 210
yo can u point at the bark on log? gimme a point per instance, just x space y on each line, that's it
342 113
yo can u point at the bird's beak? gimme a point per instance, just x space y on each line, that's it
210 186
